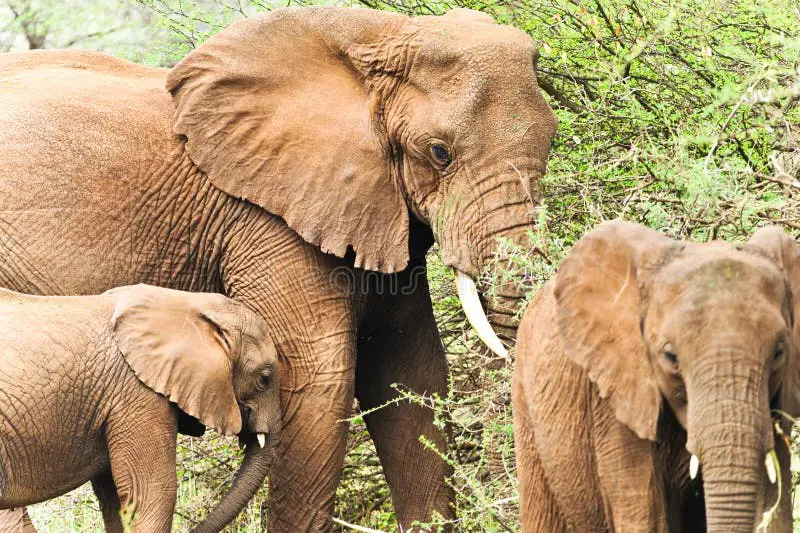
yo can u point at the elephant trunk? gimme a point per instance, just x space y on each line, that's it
507 241
731 434
504 310
485 238
249 478
732 479
502 250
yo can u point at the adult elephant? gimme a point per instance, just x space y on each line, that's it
288 149
650 378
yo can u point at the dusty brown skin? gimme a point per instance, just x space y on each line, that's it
644 350
16 521
95 387
360 133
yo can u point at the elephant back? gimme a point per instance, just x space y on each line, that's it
64 113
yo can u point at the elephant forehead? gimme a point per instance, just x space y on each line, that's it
506 67
465 33
475 52
487 100
722 274
256 328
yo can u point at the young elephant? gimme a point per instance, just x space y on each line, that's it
96 387
648 372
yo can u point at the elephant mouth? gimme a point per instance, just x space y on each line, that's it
257 439
770 465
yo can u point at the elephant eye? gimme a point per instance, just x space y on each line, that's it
780 348
670 355
441 154
265 380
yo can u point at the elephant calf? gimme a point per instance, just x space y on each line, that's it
648 372
95 388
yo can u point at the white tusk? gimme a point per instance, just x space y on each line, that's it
262 439
471 303
770 462
694 466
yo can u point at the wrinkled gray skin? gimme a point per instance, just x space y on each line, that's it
72 408
328 122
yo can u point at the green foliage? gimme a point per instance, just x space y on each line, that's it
681 115
189 24
127 516
116 26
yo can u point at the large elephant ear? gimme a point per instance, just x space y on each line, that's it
784 251
598 292
276 110
175 346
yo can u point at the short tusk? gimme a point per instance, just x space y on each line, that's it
471 303
262 439
770 461
694 466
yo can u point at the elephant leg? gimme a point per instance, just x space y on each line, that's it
538 508
16 521
106 492
400 344
141 447
632 486
313 436
312 319
560 403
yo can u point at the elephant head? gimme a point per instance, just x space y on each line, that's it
705 329
215 360
348 123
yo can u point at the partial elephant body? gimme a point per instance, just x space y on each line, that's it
93 388
98 196
645 376
73 410
578 469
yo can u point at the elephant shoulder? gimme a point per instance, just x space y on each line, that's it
14 306
8 296
545 376
35 320
538 340
538 328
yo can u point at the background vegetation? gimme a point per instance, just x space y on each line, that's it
681 115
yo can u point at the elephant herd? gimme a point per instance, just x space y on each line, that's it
172 244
